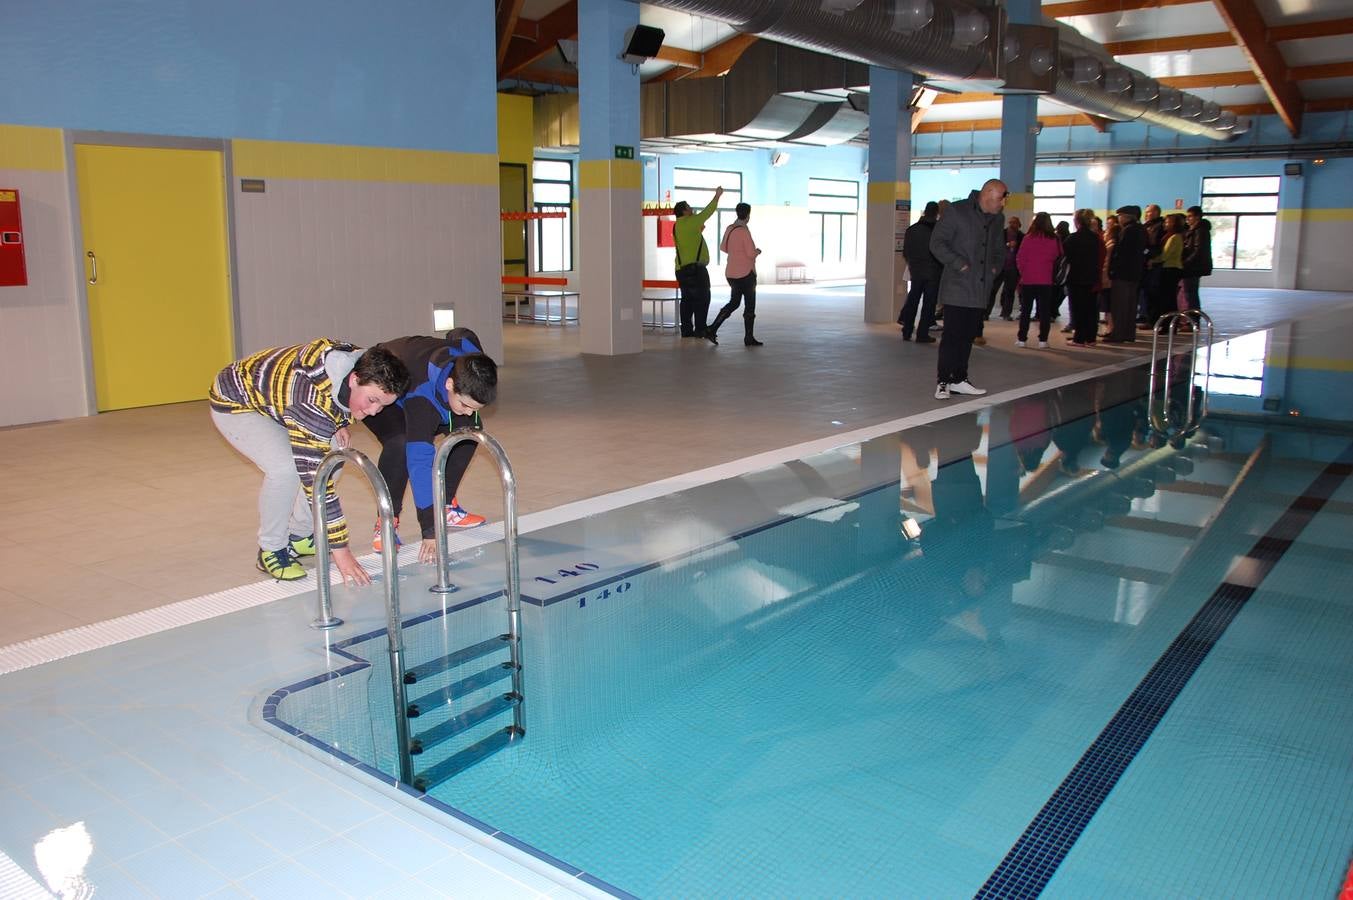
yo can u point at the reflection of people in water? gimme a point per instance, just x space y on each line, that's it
1030 430
1073 419
1122 408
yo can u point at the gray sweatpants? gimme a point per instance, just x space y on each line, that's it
282 507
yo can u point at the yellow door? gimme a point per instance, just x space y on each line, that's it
155 257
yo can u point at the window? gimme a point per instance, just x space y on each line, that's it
1057 199
696 187
835 208
1244 216
552 191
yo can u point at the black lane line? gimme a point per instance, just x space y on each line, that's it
1035 857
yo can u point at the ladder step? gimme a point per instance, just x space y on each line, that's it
458 689
463 722
467 757
450 660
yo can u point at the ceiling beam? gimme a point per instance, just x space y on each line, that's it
1327 70
549 30
924 100
1172 44
548 76
714 61
1212 79
973 97
1311 30
1247 24
688 59
1098 123
995 124
509 12
1327 104
1097 7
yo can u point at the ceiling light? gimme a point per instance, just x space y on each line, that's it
1097 174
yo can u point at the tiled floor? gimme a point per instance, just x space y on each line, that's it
144 751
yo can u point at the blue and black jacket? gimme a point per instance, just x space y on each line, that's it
427 413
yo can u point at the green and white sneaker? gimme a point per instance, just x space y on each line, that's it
280 564
303 546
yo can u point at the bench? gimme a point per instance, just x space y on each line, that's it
529 293
657 319
791 273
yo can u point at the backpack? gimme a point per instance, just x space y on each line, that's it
1061 269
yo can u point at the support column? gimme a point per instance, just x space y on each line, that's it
610 181
889 195
1019 130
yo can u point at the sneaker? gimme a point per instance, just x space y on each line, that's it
456 517
303 546
1021 344
1042 345
980 341
966 387
280 564
941 391
376 536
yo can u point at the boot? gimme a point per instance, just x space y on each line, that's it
712 330
748 338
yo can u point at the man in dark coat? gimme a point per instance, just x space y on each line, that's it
969 243
924 270
1197 254
1127 266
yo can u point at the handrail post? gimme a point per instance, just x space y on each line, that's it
1161 422
509 481
390 570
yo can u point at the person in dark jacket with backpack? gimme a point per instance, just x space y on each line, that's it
1127 267
1197 254
925 271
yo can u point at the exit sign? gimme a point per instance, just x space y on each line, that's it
624 152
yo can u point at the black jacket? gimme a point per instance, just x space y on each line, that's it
1198 250
916 248
1128 262
1081 250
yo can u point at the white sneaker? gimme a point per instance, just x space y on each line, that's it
941 391
1020 344
965 387
1042 345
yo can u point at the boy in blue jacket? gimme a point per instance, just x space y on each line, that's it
451 379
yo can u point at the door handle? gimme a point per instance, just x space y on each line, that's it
94 267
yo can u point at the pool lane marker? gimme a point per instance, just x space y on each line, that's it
1033 860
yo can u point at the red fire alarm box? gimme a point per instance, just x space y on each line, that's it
13 270
666 232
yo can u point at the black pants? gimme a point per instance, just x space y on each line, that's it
1084 313
1005 283
694 281
388 427
740 290
1045 296
923 293
1166 299
1123 309
961 325
1191 291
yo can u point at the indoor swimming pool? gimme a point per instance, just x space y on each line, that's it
1022 649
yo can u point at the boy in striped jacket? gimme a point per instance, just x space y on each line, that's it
284 408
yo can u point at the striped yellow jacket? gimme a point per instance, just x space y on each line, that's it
291 386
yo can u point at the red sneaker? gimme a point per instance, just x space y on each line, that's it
376 538
456 517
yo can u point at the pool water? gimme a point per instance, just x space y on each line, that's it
1039 656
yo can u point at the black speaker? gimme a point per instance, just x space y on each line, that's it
642 42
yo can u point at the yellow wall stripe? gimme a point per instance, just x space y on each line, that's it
25 147
888 191
1314 215
333 162
603 174
1311 363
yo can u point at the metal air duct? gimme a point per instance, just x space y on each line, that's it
872 32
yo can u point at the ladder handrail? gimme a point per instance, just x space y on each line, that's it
1160 420
444 585
390 569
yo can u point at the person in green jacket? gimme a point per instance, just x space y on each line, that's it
692 262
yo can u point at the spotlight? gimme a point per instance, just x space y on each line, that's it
1097 174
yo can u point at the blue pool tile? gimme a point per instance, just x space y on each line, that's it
175 812
347 865
170 870
409 889
287 881
23 822
467 878
401 845
68 794
226 793
117 832
231 849
282 827
491 859
112 883
122 776
335 808
21 759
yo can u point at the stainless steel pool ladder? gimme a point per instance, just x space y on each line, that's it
515 699
1158 406
390 572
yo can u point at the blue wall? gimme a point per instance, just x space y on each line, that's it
761 183
405 73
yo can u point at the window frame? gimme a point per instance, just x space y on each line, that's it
839 219
553 206
1047 194
725 213
1213 216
